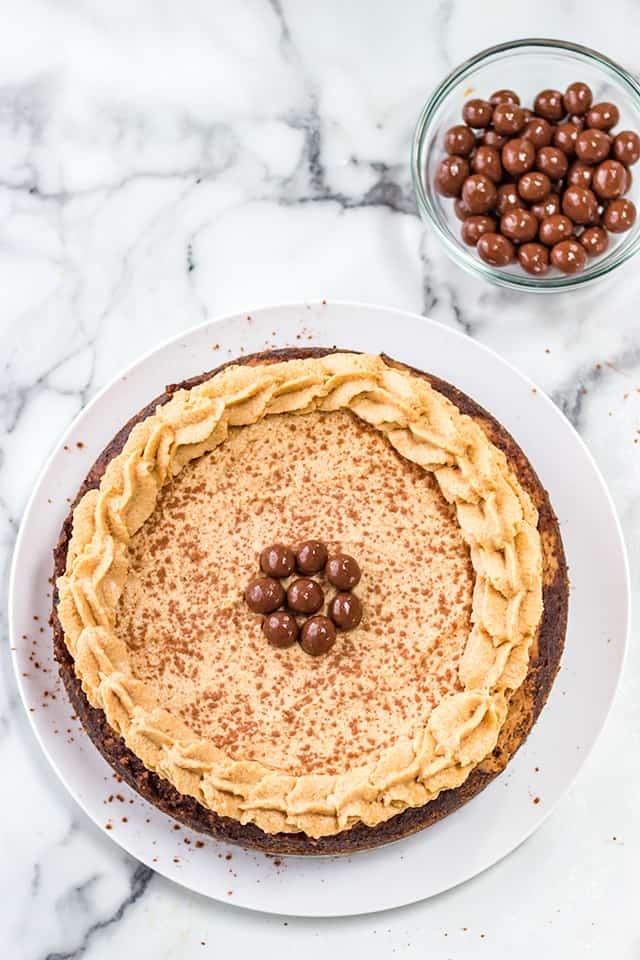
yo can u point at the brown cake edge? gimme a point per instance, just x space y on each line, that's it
525 705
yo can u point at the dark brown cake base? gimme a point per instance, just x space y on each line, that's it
524 709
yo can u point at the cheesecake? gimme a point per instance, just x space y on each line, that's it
244 676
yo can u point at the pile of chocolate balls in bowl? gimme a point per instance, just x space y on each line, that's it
535 192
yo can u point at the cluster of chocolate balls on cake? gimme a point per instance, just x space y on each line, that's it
545 185
304 597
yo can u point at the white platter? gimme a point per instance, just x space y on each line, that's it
494 822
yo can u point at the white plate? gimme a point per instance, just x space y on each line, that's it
497 820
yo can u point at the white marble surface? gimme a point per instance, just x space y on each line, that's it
161 163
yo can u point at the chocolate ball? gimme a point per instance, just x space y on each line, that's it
568 256
539 131
450 175
474 226
508 118
552 161
579 122
518 156
519 225
592 145
459 140
547 207
534 259
548 104
579 174
264 594
603 116
305 596
345 610
564 138
626 147
528 115
495 249
534 186
479 193
343 571
277 560
486 160
579 204
577 98
556 228
493 139
477 113
619 216
609 180
507 198
311 556
280 629
317 636
504 96
595 240
461 209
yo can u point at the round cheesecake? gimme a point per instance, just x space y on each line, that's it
409 712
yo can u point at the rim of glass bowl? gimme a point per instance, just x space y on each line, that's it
467 260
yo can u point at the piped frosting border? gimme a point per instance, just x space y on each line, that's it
497 520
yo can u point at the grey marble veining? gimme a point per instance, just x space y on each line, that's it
160 164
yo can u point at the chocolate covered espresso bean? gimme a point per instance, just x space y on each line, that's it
450 175
534 259
577 98
479 193
495 249
474 226
520 226
569 256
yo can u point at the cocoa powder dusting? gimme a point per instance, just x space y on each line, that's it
289 479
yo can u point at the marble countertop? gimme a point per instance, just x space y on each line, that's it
162 163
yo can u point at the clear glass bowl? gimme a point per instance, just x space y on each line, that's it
526 66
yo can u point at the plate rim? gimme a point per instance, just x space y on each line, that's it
235 317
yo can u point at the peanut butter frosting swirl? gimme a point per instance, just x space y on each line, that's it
497 520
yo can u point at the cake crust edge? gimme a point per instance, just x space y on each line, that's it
525 707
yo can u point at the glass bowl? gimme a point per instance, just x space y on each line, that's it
526 66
